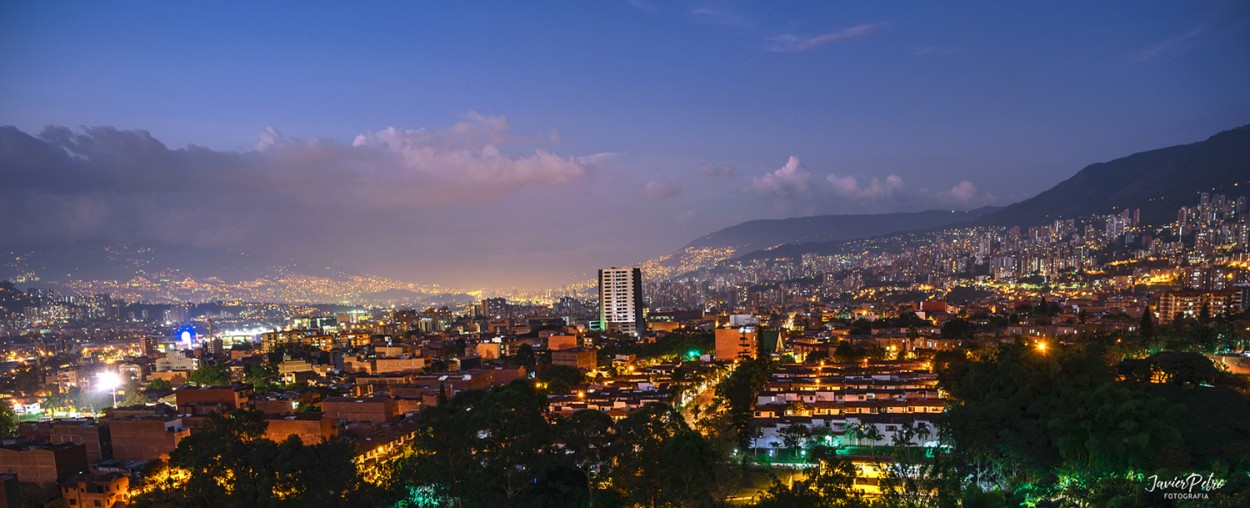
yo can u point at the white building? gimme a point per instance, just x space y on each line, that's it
177 361
620 300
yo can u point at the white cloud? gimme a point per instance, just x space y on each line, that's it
964 193
657 190
720 16
640 4
1171 46
787 181
787 43
849 187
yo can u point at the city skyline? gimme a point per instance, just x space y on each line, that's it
452 145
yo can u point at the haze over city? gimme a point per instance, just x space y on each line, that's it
518 144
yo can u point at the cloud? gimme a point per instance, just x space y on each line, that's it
720 16
1169 47
657 190
595 159
715 170
849 187
964 193
641 4
790 180
466 160
787 43
125 185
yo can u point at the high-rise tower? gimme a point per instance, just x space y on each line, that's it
620 300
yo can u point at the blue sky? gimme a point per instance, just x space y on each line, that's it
661 121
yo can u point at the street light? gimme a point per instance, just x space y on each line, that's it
108 380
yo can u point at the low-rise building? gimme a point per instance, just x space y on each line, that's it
360 409
146 437
92 490
42 462
581 358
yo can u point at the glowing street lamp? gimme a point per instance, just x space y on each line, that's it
107 380
1041 347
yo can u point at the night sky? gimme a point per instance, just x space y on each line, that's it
485 144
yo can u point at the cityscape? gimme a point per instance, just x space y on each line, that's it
994 270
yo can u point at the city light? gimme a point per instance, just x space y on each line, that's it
109 381
861 331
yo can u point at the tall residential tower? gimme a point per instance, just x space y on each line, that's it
620 300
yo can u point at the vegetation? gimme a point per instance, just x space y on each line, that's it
738 392
134 394
227 462
501 448
672 346
158 385
8 420
210 374
561 378
1066 426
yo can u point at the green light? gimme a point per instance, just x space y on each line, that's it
693 353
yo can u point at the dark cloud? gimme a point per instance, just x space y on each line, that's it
101 183
658 190
718 170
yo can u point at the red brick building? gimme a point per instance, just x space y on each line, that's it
89 433
213 399
146 438
310 428
43 463
581 358
361 409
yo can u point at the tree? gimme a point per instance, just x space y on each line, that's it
861 327
816 357
134 394
8 420
159 385
660 461
1184 368
525 357
229 463
873 434
587 434
210 374
261 377
957 328
1020 418
1147 327
829 483
493 448
561 378
739 391
844 352
794 437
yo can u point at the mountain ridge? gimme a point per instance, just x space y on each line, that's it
1157 181
763 233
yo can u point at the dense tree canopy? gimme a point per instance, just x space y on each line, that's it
1063 423
500 448
229 464
210 374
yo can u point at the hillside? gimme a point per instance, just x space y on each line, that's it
751 236
1157 181
760 234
